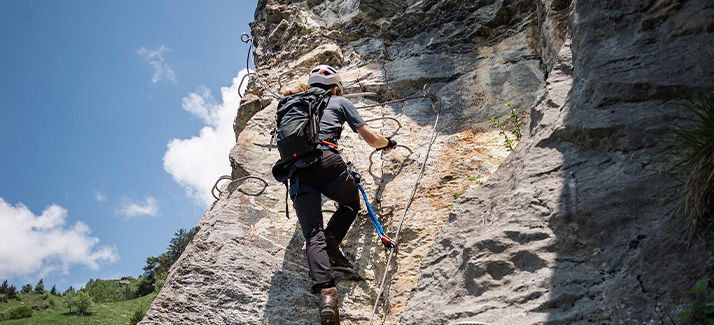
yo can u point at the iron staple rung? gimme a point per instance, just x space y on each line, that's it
376 151
230 185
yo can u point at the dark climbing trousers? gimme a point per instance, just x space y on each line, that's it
322 176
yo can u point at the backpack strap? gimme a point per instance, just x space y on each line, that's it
330 139
283 173
287 208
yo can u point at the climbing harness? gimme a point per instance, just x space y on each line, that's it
386 241
434 100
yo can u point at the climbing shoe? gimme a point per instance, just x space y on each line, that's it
334 253
329 307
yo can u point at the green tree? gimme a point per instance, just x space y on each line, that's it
157 266
143 287
179 242
106 290
48 301
4 292
83 302
159 283
4 288
69 290
53 291
68 299
40 287
11 292
27 288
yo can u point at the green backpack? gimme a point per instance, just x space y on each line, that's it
297 133
298 123
298 126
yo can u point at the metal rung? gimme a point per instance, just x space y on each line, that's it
215 186
232 186
397 146
362 94
259 81
386 118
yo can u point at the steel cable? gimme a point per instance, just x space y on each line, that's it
409 202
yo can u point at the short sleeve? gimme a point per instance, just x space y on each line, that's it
352 117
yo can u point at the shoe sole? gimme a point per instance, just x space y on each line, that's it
327 317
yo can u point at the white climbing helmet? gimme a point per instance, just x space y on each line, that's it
325 75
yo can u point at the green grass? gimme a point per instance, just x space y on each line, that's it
691 156
100 313
26 299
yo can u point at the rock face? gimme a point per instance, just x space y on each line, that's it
566 230
570 231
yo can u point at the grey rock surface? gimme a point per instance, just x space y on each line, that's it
564 231
571 231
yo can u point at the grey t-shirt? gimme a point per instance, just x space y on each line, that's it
338 111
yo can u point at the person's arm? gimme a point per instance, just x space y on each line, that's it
374 139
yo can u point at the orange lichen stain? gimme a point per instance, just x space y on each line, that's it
248 138
478 100
462 164
243 144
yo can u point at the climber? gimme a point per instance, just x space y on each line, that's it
324 172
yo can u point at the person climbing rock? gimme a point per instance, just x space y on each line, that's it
321 172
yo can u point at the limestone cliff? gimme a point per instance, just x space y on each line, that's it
564 230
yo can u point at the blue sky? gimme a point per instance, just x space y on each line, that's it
115 121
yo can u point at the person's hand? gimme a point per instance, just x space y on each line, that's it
390 145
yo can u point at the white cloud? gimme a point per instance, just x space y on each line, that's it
100 196
42 244
196 163
132 209
162 71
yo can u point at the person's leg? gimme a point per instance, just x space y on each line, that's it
308 209
340 222
347 198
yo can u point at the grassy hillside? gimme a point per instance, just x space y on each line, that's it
100 313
